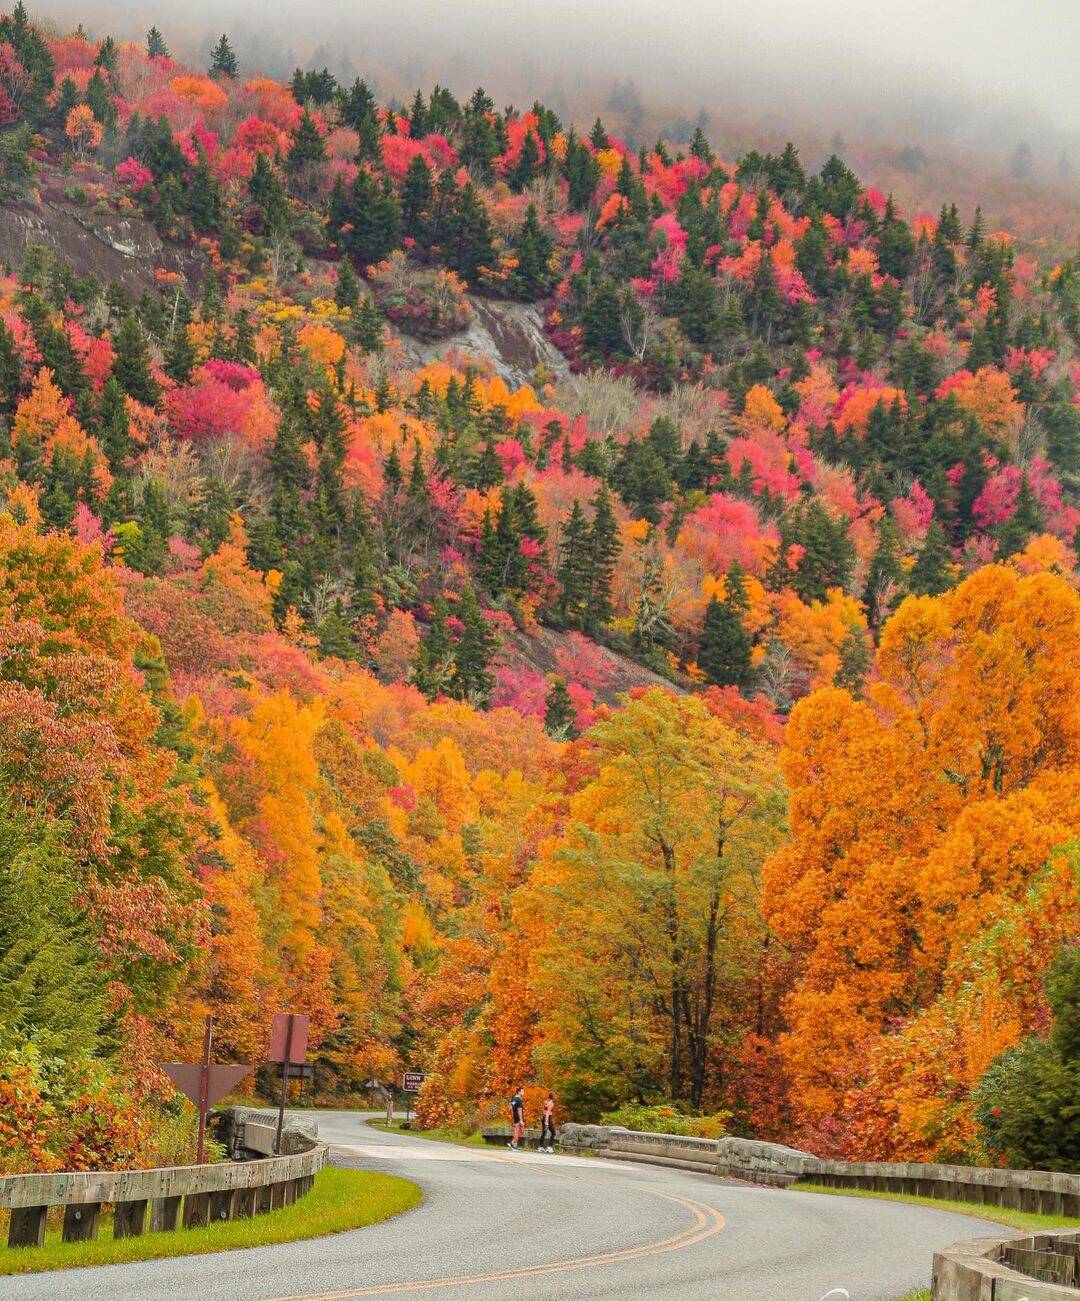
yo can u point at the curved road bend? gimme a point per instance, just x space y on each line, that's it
503 1226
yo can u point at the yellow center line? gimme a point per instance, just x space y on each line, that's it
707 1222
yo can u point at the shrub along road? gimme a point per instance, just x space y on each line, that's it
497 1225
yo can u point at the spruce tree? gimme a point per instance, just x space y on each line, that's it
417 196
155 45
180 351
347 289
932 572
559 712
604 548
574 568
472 678
223 61
132 364
724 653
532 276
468 246
435 654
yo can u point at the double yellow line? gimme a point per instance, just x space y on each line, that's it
707 1222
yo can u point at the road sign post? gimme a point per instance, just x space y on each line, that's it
412 1082
288 1046
204 1083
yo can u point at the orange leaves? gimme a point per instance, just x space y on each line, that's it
44 422
989 396
761 408
83 129
856 404
206 95
915 818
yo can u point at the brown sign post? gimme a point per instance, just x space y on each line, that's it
203 1083
288 1045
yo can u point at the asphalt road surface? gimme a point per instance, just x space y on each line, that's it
497 1225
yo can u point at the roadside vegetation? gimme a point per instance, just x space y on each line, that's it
999 1214
340 1200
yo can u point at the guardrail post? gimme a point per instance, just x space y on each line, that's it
264 1199
164 1214
81 1222
289 1194
244 1203
196 1210
277 1195
221 1205
27 1227
129 1219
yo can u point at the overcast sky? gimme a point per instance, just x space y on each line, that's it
890 60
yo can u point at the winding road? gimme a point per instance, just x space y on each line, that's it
497 1225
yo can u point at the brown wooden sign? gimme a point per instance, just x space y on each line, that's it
283 1045
219 1080
204 1083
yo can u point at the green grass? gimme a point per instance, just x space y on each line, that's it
340 1199
920 1294
439 1135
999 1214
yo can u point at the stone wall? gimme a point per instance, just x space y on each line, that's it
1042 1267
1045 1191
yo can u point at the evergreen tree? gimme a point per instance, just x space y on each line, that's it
604 548
114 425
724 653
574 568
1026 519
472 678
223 61
932 572
435 654
347 289
155 45
528 164
375 217
180 351
132 364
52 985
417 197
828 553
559 712
360 111
307 145
468 246
532 276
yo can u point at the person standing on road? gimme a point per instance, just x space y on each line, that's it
517 1117
547 1129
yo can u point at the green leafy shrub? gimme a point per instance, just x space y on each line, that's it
1028 1102
665 1119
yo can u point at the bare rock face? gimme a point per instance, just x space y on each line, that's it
114 247
510 335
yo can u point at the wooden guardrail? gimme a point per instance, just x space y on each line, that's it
175 1196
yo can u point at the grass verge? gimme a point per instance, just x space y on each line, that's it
438 1135
340 1199
999 1214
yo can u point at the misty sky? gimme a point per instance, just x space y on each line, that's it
886 59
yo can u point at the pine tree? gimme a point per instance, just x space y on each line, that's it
468 247
180 351
417 195
52 983
360 111
223 61
1026 519
574 568
114 425
532 276
435 654
528 164
307 145
724 653
932 572
604 548
559 713
347 289
472 678
132 364
155 45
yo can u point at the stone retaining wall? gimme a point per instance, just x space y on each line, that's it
1042 1267
1044 1191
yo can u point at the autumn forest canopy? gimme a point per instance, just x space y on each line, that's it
675 710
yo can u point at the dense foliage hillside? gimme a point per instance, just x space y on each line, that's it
308 652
